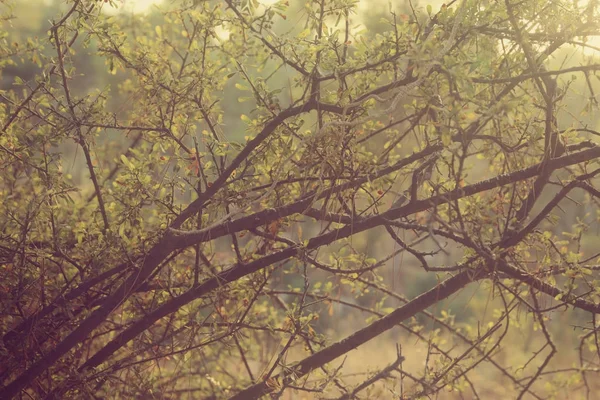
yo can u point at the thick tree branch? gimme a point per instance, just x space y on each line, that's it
335 350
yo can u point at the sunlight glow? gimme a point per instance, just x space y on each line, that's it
134 6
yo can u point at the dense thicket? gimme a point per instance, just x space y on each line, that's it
223 199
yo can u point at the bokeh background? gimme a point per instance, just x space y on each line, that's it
470 310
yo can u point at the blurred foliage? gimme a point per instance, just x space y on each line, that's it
196 202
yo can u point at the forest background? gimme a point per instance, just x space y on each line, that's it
500 336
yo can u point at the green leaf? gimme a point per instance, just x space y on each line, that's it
126 162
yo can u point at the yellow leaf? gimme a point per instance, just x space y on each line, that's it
446 138
304 33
